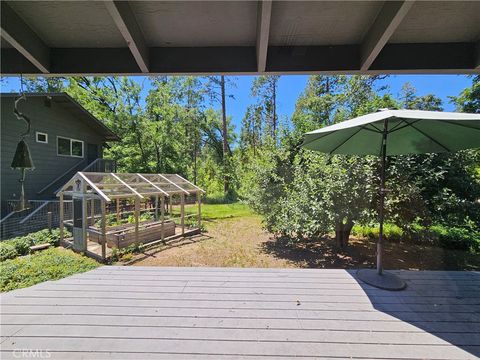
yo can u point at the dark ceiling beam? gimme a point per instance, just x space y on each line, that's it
305 59
124 18
263 30
427 58
203 60
385 24
477 56
19 35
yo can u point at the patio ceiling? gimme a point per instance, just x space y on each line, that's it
239 37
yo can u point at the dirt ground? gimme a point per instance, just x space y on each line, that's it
241 242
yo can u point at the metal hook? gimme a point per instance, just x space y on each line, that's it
22 116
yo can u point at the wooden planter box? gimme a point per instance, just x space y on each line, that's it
124 235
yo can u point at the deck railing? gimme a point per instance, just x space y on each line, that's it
101 165
98 165
41 215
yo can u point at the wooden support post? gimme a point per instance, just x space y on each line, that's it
92 212
199 199
137 215
118 211
61 215
84 221
49 221
171 206
162 212
104 229
156 207
182 213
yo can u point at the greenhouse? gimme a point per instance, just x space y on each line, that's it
115 210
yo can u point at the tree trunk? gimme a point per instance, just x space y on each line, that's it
224 136
342 232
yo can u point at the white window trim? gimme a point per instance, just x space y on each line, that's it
71 144
41 133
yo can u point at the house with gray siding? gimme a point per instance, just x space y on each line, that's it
64 138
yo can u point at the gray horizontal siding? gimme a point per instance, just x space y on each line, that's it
55 121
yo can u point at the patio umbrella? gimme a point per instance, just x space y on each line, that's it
395 132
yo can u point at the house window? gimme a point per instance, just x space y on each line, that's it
69 147
41 137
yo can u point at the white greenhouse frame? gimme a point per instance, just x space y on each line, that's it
106 188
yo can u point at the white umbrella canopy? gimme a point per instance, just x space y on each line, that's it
408 131
395 132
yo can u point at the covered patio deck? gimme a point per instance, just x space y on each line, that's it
230 313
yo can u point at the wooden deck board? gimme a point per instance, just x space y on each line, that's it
210 313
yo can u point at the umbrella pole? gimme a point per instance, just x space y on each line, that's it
378 278
382 198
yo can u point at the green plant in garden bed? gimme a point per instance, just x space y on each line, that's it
111 219
125 254
19 246
50 264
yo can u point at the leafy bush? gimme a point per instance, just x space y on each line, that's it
21 245
392 232
51 264
7 251
457 238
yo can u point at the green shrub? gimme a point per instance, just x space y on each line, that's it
456 237
392 232
220 198
7 251
21 245
459 238
51 264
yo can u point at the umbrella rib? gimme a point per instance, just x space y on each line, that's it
396 128
378 130
431 138
400 123
347 139
315 139
464 125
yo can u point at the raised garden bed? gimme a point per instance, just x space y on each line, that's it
121 236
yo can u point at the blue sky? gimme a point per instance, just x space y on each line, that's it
291 86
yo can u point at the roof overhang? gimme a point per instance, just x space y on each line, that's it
239 37
78 111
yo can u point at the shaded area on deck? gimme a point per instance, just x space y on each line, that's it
200 313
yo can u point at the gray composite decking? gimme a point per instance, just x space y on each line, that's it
210 313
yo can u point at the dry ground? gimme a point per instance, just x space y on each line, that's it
241 242
236 242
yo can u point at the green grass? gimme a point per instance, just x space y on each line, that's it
219 211
51 264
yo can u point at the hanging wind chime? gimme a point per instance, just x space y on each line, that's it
22 159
